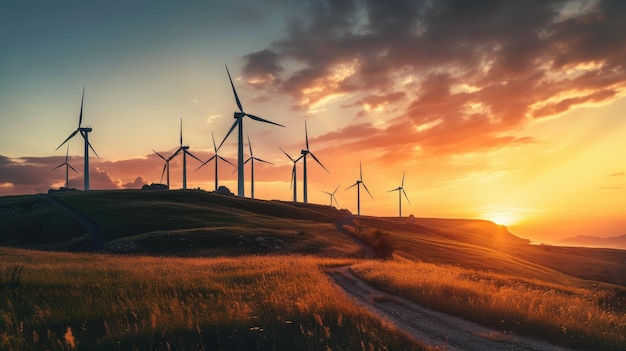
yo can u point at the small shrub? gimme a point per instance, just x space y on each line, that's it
12 280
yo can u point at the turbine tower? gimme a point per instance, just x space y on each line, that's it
251 159
67 168
293 175
217 158
185 150
358 189
332 196
166 166
304 155
239 123
84 132
401 191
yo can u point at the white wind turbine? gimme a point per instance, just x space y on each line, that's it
358 189
401 191
185 150
251 159
332 196
239 123
304 155
215 157
293 174
84 132
67 168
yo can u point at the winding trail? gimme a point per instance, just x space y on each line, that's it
368 252
431 327
97 241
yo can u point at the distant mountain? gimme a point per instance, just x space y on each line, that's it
614 242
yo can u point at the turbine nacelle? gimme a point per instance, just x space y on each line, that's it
304 152
85 129
238 115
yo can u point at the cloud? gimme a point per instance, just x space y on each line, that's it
618 174
461 75
136 184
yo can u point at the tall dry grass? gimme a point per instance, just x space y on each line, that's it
561 314
98 302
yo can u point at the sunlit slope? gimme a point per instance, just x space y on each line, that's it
484 245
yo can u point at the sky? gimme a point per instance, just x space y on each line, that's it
505 110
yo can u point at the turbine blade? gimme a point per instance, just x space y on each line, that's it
237 121
391 190
205 162
336 189
351 186
175 154
192 155
293 176
407 198
158 154
214 146
334 197
360 171
258 159
256 118
249 145
365 186
234 90
72 168
62 164
318 161
403 179
67 153
181 131
68 138
306 136
286 154
80 117
162 173
248 159
225 160
89 144
326 193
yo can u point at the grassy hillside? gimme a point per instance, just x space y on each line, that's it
198 223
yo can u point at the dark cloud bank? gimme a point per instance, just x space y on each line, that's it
469 73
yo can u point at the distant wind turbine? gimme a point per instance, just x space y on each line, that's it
239 123
304 155
84 132
293 174
185 150
166 166
401 191
215 157
332 196
358 189
251 159
67 168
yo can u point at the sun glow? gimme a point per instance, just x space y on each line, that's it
506 216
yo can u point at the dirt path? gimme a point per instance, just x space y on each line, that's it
368 252
97 241
433 328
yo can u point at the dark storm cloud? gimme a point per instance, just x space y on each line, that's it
478 69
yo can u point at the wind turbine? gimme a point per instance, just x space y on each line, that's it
84 132
239 122
293 174
358 189
304 155
217 158
67 168
251 159
166 166
332 196
401 191
185 150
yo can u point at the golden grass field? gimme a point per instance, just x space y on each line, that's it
197 279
